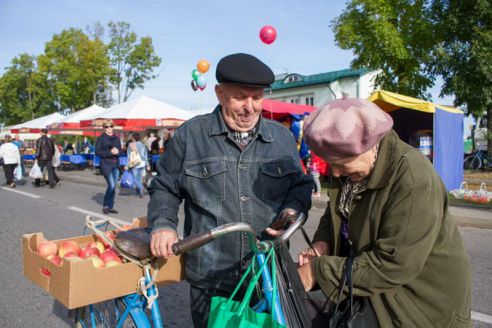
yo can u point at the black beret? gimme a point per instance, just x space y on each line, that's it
244 69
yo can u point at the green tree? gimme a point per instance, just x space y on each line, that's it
23 91
394 36
133 62
463 57
77 69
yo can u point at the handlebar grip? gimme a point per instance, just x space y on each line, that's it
192 242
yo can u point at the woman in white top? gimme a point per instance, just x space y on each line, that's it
10 156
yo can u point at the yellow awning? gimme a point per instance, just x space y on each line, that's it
390 101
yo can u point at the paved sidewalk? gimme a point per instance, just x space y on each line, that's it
465 216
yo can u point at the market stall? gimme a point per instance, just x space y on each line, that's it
435 129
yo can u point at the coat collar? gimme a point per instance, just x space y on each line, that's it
218 126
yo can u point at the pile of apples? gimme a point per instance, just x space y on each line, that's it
99 252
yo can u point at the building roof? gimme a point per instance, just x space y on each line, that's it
296 80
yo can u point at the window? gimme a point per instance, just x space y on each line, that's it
311 100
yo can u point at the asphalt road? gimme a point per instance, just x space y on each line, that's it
59 214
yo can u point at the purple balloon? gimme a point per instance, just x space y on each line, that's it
193 85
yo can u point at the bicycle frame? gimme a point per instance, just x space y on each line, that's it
135 304
259 248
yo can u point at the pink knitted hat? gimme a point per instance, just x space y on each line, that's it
346 127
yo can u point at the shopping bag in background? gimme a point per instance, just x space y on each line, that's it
127 180
18 173
36 171
227 313
462 192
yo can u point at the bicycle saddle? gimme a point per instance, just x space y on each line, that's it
134 242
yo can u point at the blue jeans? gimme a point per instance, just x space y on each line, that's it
137 178
111 180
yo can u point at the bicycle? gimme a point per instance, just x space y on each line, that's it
477 160
130 310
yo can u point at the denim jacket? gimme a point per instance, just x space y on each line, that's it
222 184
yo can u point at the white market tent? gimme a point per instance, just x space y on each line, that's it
141 113
70 125
34 126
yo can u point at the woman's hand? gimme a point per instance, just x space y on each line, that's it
319 248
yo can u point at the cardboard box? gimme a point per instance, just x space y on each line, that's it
78 283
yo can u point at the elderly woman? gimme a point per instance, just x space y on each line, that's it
10 158
388 214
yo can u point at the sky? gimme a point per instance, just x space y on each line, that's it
187 31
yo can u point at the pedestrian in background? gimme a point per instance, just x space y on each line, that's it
137 150
108 148
45 150
149 141
22 148
10 159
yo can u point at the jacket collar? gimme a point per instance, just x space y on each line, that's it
388 154
218 126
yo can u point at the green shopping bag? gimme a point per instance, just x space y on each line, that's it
227 313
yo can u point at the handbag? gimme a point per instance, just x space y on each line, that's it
35 172
353 312
18 173
227 313
135 158
127 180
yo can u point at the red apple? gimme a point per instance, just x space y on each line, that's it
88 251
47 248
96 261
110 255
55 259
112 263
68 246
71 254
98 245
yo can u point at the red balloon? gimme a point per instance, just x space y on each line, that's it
268 34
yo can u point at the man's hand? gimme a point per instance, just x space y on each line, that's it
283 221
320 248
161 242
114 151
307 276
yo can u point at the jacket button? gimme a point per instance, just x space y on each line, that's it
357 197
244 198
243 166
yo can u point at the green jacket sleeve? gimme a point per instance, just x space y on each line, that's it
409 226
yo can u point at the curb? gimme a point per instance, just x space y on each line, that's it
473 222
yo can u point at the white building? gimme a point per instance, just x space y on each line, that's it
317 89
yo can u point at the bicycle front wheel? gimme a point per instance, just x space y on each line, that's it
472 163
110 314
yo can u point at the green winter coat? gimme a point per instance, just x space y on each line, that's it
410 259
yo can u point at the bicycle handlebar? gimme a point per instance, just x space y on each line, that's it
195 241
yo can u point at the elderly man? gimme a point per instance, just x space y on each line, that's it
229 165
388 213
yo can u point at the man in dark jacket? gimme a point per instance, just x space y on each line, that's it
108 148
229 165
388 210
45 149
